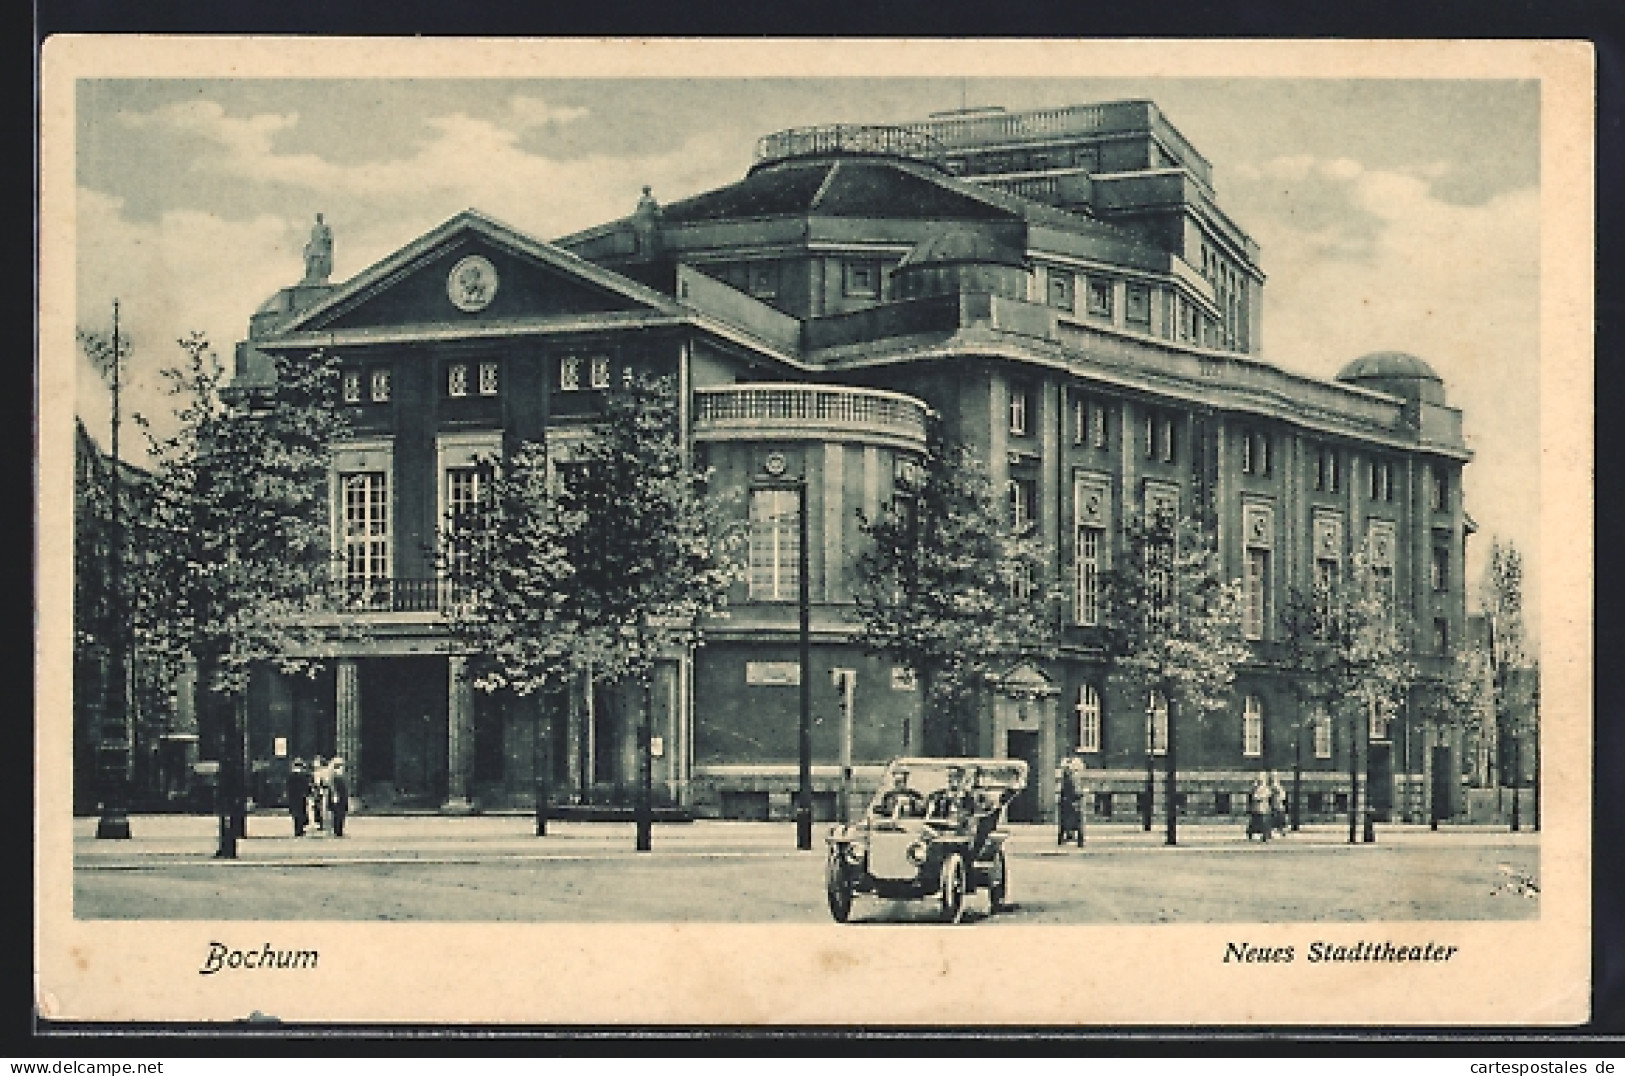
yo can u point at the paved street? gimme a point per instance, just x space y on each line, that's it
490 868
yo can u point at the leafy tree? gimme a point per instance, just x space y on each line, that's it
235 565
1514 670
598 574
1173 627
948 590
1348 647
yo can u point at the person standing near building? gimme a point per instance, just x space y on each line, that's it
1277 804
338 796
298 790
318 791
1258 810
1072 793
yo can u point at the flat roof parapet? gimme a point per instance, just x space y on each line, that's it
849 138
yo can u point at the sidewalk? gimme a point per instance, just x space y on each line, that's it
159 840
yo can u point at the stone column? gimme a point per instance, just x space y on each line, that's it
459 733
348 718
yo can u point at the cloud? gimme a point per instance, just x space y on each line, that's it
526 112
1457 285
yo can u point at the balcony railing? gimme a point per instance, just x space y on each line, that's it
394 595
807 410
848 138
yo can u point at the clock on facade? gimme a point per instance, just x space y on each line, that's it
472 284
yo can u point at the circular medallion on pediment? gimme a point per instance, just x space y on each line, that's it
472 284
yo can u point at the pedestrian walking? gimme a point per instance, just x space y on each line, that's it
1258 810
298 789
1277 804
338 796
1072 792
319 775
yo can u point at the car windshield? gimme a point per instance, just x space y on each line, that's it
908 783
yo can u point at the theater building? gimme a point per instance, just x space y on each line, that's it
1060 288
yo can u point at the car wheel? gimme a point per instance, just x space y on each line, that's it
951 892
838 886
998 883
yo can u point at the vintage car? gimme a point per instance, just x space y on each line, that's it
932 830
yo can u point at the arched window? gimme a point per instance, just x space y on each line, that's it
1156 724
1088 719
1252 727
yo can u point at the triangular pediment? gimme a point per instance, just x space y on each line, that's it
470 271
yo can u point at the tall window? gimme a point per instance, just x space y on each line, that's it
1023 504
352 386
1440 489
1137 307
1441 635
1256 613
1018 409
1088 719
1156 724
1159 436
380 385
365 507
1091 540
1382 480
465 500
1252 727
1439 573
1080 420
1320 722
1255 452
488 379
774 545
1327 478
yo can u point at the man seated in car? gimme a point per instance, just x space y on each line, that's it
900 801
953 802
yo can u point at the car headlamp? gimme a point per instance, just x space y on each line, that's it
916 852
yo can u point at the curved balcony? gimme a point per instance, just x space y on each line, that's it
809 413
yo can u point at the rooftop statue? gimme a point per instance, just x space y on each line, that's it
319 254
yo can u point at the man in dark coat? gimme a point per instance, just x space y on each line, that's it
1072 793
338 797
299 796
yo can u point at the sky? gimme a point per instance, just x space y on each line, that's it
1392 214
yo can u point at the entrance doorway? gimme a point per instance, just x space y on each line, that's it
403 728
1024 745
1380 780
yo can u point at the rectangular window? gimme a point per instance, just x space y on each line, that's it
1439 573
1080 420
488 379
1441 636
1252 727
380 385
1061 293
1256 613
1089 719
1327 477
1156 725
1097 424
569 373
599 371
861 280
465 500
1137 307
1023 503
1255 453
365 533
1100 298
774 545
1091 540
1018 409
1167 439
352 386
1382 480
457 380
1440 490
1321 724
1150 435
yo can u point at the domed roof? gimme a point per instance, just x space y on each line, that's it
957 246
1388 366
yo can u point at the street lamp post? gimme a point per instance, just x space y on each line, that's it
776 479
113 753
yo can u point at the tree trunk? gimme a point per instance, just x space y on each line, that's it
1171 788
645 809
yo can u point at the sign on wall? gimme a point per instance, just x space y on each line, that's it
773 673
